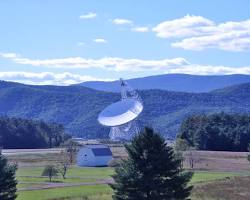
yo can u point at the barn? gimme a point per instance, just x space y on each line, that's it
94 156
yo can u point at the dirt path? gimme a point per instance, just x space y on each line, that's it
51 185
9 152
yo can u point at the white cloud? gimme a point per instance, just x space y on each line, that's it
119 21
100 40
183 27
8 55
46 78
89 15
174 65
140 29
108 63
198 33
231 41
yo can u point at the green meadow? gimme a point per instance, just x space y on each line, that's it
30 178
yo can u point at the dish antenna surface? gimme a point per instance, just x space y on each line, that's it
121 116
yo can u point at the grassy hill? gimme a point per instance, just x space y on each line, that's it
77 107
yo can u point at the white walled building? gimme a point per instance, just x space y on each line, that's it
94 155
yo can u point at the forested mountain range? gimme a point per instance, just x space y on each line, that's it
174 82
77 107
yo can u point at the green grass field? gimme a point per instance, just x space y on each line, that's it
73 192
224 176
206 176
31 177
101 172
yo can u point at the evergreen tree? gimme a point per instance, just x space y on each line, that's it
8 181
151 171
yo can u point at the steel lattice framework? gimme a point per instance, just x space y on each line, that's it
126 131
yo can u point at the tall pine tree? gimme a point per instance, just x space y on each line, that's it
8 181
151 171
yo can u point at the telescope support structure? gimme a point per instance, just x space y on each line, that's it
129 130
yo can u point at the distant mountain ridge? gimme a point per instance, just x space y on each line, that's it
174 82
77 107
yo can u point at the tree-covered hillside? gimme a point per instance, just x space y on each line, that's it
75 107
78 107
217 132
22 133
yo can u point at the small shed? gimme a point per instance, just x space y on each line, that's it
94 156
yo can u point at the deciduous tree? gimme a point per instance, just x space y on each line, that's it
63 163
50 171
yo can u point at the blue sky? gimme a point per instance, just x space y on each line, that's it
64 42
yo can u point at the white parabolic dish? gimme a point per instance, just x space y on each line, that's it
120 112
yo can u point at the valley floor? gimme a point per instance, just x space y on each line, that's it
218 175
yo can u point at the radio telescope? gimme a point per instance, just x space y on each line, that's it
121 116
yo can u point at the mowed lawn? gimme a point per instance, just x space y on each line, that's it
94 192
93 172
31 176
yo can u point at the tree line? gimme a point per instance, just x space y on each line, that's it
23 133
217 132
